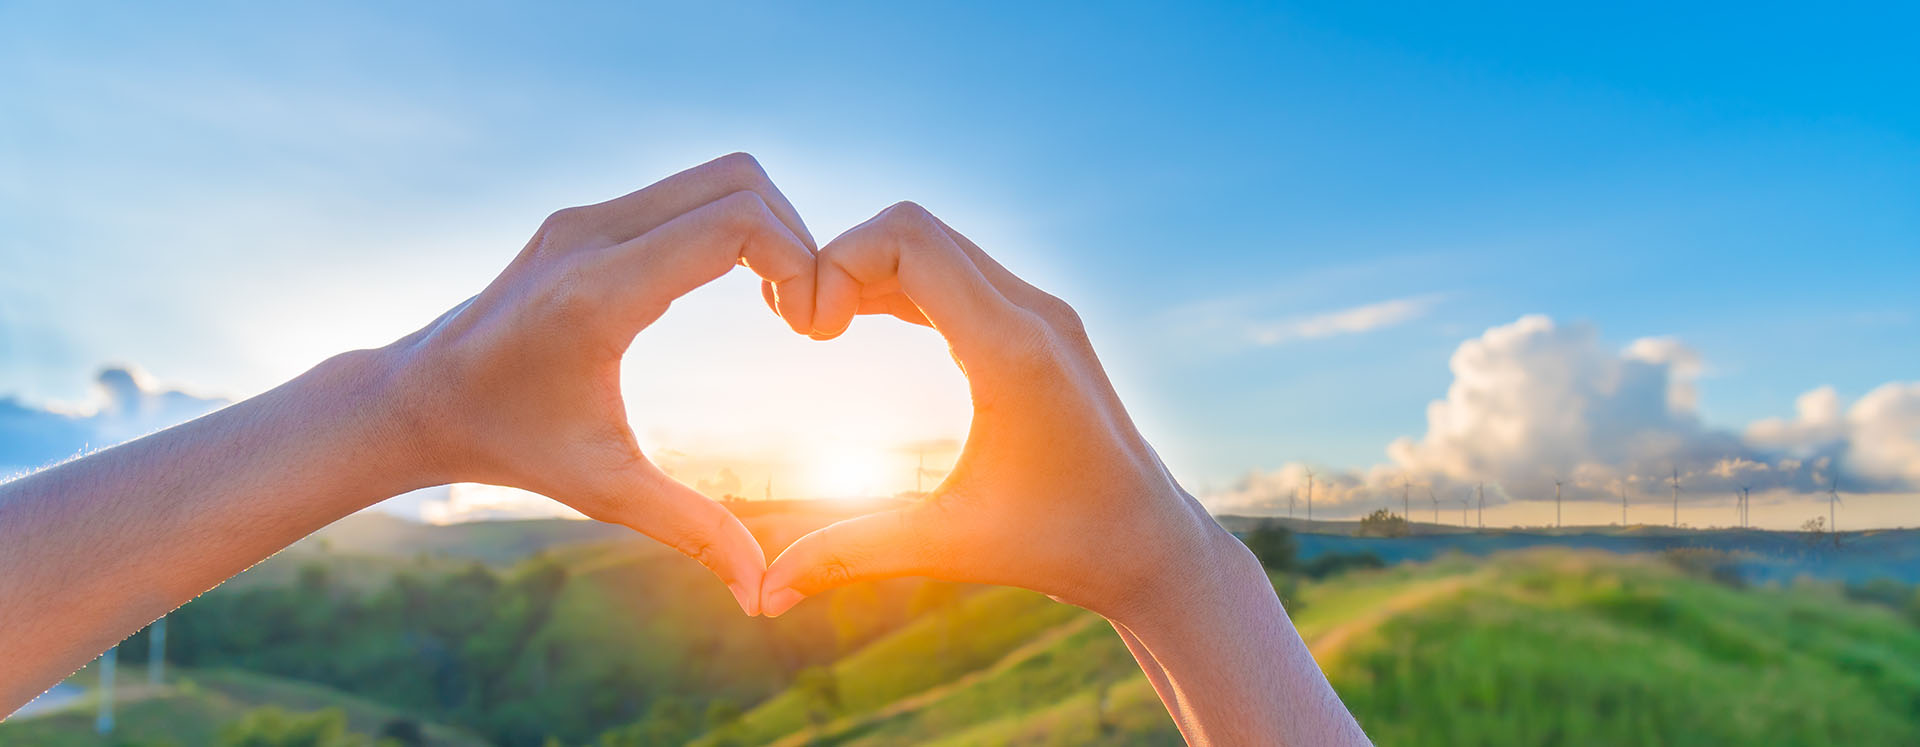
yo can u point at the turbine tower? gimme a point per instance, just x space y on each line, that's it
1309 495
1291 492
1556 504
1480 514
1482 488
1746 507
1464 505
1623 504
1676 497
1436 505
1406 512
1833 499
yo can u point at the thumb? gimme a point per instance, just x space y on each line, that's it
700 528
890 544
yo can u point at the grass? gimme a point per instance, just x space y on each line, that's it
192 707
936 649
1544 647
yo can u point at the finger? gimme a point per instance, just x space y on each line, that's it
905 244
1010 285
636 213
889 544
648 273
700 528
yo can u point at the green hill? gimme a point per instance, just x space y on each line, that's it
193 706
610 639
1542 647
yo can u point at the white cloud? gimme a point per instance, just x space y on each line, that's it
464 502
1533 402
129 405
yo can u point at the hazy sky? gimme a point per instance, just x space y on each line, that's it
1281 224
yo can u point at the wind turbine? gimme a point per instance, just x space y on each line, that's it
1464 505
1482 488
1436 505
1746 507
1309 495
1291 492
1556 504
1481 513
1406 512
1833 498
1676 497
1623 504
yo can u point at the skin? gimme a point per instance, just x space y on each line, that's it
1056 491
519 386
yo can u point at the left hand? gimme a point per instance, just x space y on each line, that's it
520 385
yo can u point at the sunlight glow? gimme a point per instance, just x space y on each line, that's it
849 472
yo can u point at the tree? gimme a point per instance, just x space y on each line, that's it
1383 523
270 726
1274 546
1814 531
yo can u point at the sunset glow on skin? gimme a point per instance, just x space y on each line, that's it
536 402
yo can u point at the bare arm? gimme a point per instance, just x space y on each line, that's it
98 547
518 386
1056 491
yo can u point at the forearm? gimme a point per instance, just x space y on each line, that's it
1156 674
1236 670
92 550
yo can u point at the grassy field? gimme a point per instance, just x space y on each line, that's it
1537 648
193 706
610 640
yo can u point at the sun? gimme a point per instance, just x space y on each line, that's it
848 472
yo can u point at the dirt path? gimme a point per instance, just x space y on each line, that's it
1329 644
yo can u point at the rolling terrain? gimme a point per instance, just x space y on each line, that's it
524 632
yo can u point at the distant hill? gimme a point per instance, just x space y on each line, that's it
1484 638
1762 556
192 706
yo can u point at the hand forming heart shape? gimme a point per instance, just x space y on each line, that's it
1054 478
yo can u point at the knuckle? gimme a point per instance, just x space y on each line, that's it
563 222
744 212
741 169
697 547
1061 316
908 220
835 570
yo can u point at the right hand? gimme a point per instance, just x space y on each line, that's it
1055 490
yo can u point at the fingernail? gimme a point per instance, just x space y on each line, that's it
780 601
747 601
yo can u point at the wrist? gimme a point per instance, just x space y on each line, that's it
375 420
1213 575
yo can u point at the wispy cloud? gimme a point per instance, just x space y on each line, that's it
1348 321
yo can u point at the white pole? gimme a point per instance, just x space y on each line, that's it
157 651
103 723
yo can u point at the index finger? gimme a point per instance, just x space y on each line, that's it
905 243
633 214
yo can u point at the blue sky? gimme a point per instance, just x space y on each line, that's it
1280 221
